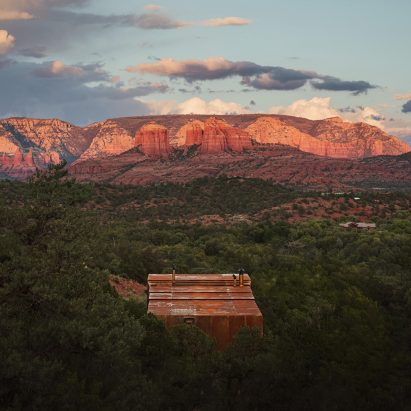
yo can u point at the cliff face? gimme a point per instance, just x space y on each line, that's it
152 140
27 143
331 138
18 166
214 136
190 134
219 136
48 135
109 139
358 140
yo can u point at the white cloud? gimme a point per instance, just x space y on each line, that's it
196 105
370 116
320 108
7 42
226 21
315 109
9 15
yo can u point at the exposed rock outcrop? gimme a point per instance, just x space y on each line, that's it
190 134
27 143
331 138
152 140
214 136
18 166
219 136
356 140
30 143
110 139
48 135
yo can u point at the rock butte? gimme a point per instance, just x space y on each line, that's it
29 143
152 140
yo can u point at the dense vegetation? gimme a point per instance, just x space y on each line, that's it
336 304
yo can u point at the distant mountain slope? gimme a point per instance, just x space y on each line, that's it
279 163
27 143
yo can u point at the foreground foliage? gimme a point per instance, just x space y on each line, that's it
336 304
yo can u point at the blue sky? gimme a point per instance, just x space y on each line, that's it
81 60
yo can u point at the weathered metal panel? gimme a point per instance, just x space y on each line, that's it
210 301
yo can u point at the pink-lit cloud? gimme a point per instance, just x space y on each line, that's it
152 7
252 75
11 15
226 21
7 42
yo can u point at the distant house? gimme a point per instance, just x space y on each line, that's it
362 226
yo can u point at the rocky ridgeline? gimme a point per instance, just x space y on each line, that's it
27 143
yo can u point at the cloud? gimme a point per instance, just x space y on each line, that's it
69 92
279 78
347 109
35 5
36 52
152 7
86 73
315 109
7 42
212 68
156 21
400 127
370 116
335 84
10 15
253 75
319 108
4 62
406 96
196 105
406 108
226 21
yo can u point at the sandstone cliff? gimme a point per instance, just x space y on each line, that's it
152 140
110 139
214 136
29 143
190 134
356 140
331 138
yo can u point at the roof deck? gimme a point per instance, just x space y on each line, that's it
216 303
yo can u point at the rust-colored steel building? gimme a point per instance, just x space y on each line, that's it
219 304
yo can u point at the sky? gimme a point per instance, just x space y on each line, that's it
87 60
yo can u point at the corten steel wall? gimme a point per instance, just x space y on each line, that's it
210 301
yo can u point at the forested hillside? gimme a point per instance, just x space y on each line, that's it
336 302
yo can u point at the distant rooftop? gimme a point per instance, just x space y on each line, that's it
353 224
